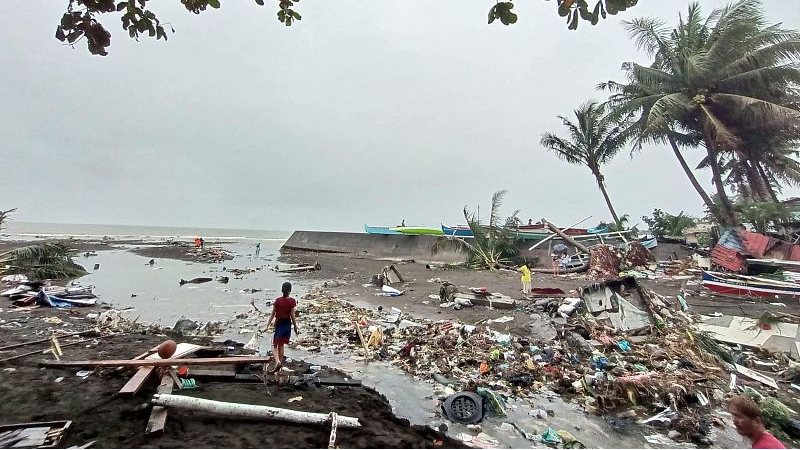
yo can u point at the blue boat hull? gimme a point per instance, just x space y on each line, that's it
379 230
457 231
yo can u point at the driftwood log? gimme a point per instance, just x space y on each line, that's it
240 410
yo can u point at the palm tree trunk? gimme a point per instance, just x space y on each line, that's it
703 194
764 177
757 187
726 215
602 184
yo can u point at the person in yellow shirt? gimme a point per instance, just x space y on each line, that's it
526 279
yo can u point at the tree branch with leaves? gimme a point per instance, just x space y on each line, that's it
80 21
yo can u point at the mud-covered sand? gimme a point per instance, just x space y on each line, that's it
29 393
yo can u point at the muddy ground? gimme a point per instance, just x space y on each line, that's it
29 393
346 274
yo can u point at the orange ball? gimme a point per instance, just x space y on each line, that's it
167 349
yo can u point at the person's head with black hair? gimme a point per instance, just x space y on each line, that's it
286 288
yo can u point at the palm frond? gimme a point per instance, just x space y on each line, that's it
564 149
40 261
4 216
497 202
718 130
665 111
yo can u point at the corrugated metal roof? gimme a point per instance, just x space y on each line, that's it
727 258
756 243
732 241
794 255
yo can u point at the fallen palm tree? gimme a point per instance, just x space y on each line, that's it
492 246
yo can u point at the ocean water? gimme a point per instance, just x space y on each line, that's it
32 230
126 280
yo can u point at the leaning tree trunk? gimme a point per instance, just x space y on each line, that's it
602 185
692 179
766 179
757 187
726 216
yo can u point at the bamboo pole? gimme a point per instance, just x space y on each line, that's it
554 235
158 362
566 238
39 341
35 352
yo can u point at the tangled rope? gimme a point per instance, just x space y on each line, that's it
334 423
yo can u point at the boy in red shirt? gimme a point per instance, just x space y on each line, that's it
283 313
750 424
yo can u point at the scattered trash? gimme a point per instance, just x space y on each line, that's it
551 437
503 319
294 399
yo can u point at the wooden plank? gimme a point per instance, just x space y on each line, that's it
158 415
212 374
337 382
140 378
753 375
499 302
159 362
137 381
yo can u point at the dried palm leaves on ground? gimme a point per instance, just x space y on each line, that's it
41 261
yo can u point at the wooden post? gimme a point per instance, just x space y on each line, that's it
361 337
399 277
158 415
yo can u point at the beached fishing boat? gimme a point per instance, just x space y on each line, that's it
734 284
649 243
379 230
539 226
533 235
459 231
597 230
434 231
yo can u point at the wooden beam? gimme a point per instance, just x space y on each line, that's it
140 378
137 381
158 415
158 362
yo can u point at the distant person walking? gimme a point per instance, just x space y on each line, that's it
749 422
258 248
283 312
530 221
403 223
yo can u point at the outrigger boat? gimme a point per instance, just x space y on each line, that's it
734 284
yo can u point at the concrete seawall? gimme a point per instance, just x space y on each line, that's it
394 246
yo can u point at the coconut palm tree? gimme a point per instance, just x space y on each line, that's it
709 76
492 245
593 141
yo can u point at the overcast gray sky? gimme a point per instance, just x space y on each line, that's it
363 112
